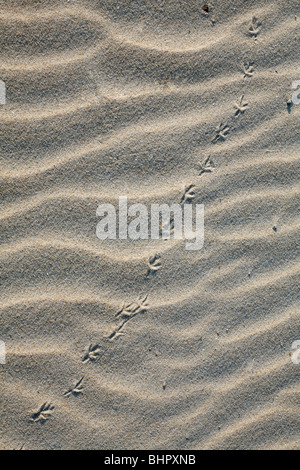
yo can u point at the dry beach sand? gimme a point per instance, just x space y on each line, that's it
145 98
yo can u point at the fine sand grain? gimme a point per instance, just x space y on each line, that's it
145 98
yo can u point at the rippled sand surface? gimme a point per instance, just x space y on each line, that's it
135 98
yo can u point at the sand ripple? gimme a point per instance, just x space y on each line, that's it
103 102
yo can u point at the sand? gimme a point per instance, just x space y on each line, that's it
106 99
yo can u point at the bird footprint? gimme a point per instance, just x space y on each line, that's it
222 131
127 312
43 414
154 264
248 69
240 106
131 309
92 354
206 166
141 304
167 228
188 195
254 28
77 390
